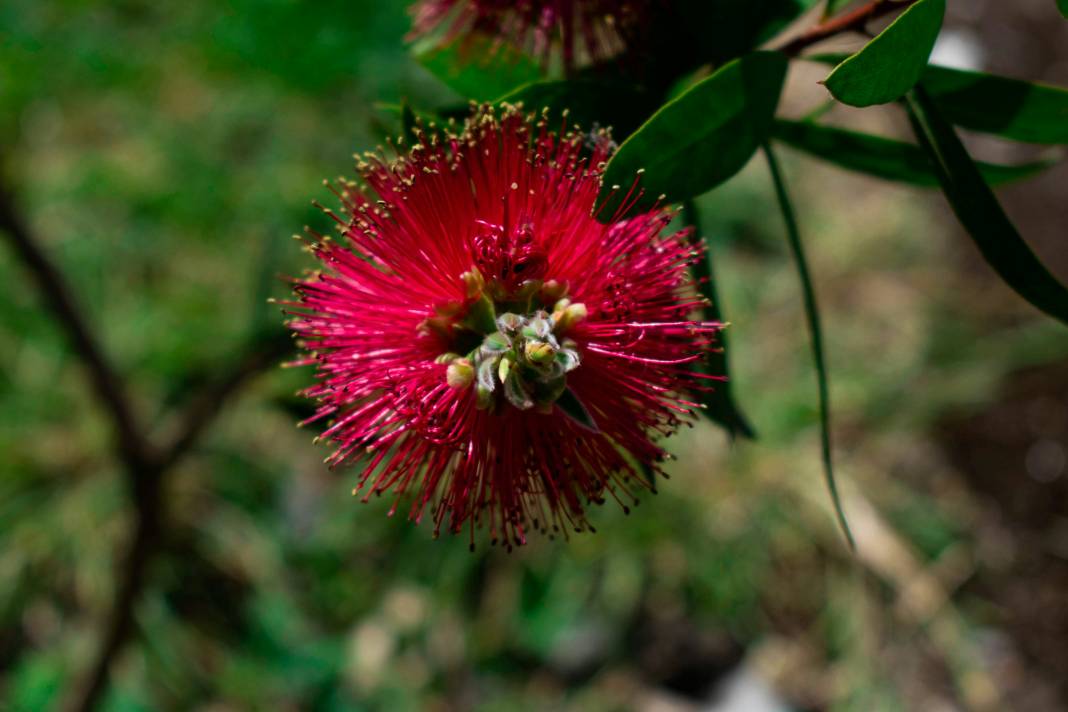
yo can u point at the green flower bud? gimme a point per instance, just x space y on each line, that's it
482 316
539 353
510 324
569 316
485 374
438 325
539 326
503 368
527 290
460 374
483 397
449 309
552 291
474 283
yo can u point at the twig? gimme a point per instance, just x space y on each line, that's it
103 379
145 466
143 474
87 693
854 21
147 494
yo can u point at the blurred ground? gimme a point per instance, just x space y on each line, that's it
166 150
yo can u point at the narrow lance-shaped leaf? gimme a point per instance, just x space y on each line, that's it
884 157
1012 108
981 214
893 62
812 314
702 138
719 403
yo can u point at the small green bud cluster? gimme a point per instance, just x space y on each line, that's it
524 359
524 352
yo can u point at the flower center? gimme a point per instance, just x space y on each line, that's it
513 340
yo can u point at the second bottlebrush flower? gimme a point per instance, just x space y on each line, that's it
574 32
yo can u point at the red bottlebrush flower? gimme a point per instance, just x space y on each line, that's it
484 345
584 30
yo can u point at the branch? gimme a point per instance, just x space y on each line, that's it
103 379
142 473
147 496
145 467
87 693
855 21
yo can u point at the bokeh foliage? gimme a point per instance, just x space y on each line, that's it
166 150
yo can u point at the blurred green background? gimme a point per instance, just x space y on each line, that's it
164 152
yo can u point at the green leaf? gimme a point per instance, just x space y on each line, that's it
893 62
884 157
1062 5
1012 108
573 408
719 403
980 213
812 314
475 69
589 103
701 139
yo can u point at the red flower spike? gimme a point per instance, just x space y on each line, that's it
486 349
584 31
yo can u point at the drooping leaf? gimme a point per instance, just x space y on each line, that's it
1012 108
812 314
589 102
475 69
719 403
884 157
893 62
700 139
980 213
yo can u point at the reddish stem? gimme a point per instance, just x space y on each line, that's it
854 21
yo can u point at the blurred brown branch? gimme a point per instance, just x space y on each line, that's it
145 465
105 382
854 21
